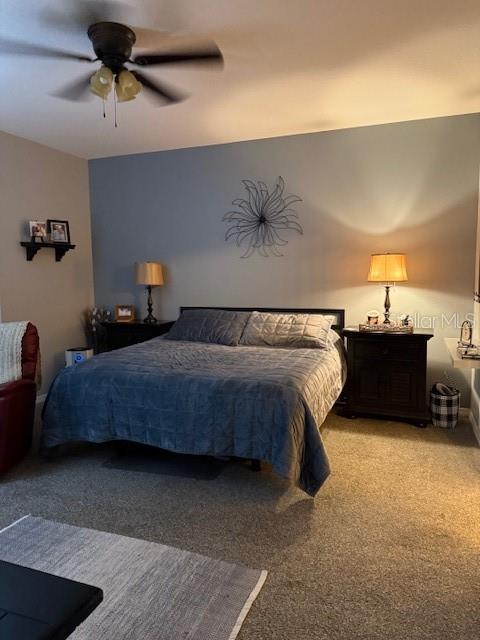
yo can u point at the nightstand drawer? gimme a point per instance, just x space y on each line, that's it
393 350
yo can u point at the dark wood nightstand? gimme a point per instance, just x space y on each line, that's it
124 334
386 375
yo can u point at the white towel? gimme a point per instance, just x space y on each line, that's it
11 334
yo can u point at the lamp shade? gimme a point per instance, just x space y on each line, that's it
149 273
388 267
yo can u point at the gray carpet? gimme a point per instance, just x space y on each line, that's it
389 549
150 591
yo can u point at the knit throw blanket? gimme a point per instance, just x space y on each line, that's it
11 334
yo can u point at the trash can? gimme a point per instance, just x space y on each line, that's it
444 405
77 355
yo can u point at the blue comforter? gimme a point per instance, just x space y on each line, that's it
259 403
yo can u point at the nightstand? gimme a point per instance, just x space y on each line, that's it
386 375
124 334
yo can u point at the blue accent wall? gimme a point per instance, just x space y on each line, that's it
409 187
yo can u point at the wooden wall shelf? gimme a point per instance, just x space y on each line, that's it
61 248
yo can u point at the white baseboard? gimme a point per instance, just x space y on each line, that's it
471 416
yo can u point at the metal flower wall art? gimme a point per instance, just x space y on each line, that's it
260 221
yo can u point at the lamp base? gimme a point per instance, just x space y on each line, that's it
387 305
150 319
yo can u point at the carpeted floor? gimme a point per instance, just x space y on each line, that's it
389 549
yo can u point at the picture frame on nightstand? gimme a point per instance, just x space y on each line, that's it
124 313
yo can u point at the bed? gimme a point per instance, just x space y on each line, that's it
253 402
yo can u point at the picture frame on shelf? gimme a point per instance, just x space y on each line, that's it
124 313
59 231
466 334
38 230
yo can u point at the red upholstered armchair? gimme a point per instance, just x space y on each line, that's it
17 405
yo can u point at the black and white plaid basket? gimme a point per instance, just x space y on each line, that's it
444 406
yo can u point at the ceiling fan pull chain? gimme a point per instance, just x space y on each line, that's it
104 114
115 103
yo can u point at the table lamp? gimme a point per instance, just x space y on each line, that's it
149 274
387 268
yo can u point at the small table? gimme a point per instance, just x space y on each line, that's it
124 334
387 374
39 606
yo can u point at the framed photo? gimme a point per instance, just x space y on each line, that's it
124 313
59 231
38 230
466 334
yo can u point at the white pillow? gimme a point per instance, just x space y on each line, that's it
303 330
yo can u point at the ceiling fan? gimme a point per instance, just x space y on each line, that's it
113 45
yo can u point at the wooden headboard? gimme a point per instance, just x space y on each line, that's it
338 325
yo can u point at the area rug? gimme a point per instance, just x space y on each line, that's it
151 591
135 457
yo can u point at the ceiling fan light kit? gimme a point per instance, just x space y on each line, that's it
127 86
101 82
113 44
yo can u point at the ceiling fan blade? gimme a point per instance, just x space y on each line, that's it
78 15
18 48
162 91
150 38
210 54
76 91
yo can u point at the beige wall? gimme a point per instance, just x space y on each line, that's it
39 183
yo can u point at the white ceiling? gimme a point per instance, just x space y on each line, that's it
291 66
